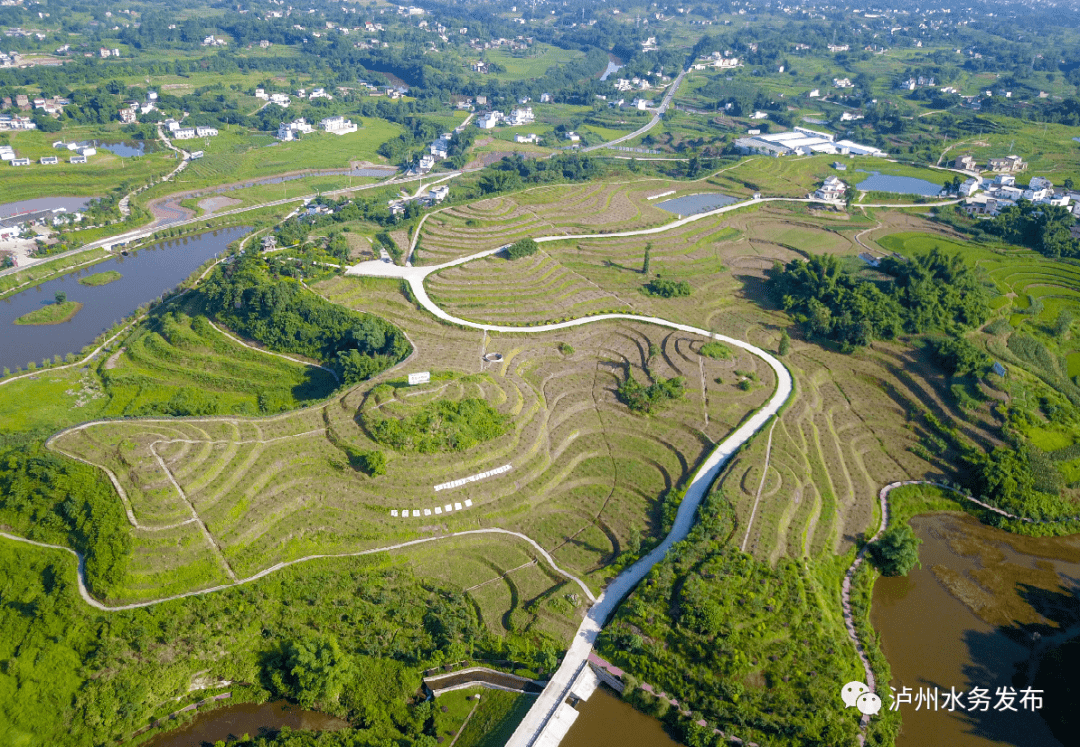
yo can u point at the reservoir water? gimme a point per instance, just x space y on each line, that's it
147 273
126 149
71 204
606 720
694 204
983 612
255 719
613 66
901 185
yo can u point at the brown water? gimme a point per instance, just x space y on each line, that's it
979 613
607 721
254 719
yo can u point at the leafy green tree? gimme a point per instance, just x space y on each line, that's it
785 343
667 288
648 256
60 297
310 670
521 248
897 551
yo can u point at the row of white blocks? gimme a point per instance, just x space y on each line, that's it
472 478
416 513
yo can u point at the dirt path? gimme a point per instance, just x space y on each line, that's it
761 486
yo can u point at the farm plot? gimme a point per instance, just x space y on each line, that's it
589 208
586 477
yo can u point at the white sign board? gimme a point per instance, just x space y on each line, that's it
419 378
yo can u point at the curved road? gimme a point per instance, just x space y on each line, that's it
652 122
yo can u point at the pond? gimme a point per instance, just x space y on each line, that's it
613 66
71 204
981 612
234 721
126 149
901 185
606 720
694 204
147 273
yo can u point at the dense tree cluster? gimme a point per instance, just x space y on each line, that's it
285 316
55 500
897 551
928 292
443 425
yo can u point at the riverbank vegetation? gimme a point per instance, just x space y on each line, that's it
100 278
76 676
757 651
54 313
283 315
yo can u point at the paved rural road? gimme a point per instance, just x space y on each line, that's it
652 122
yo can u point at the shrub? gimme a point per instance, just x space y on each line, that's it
644 399
667 288
716 350
565 348
897 552
521 248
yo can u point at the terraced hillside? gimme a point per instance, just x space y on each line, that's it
544 211
217 499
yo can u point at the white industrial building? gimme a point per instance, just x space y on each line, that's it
803 142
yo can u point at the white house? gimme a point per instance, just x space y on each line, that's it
523 116
49 160
970 186
337 125
573 137
77 159
531 137
261 94
641 104
832 189
20 162
427 162
280 99
184 133
291 130
489 120
545 98
206 131
87 152
438 194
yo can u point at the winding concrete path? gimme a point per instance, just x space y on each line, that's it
540 715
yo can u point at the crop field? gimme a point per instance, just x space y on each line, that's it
235 156
582 276
589 208
100 175
176 349
542 57
586 474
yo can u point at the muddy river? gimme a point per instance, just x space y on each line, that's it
983 612
607 721
254 719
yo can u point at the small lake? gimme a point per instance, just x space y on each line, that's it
71 204
606 720
981 612
613 66
147 273
127 149
254 719
694 204
901 185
